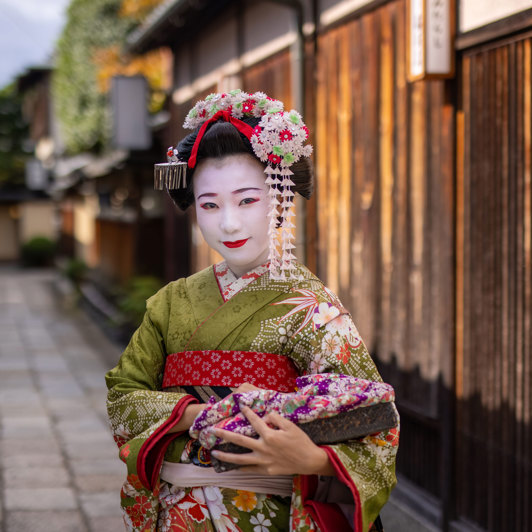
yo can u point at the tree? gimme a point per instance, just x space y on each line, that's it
13 133
89 53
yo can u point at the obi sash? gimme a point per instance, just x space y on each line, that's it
191 476
224 370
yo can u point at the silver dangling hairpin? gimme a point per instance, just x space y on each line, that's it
172 174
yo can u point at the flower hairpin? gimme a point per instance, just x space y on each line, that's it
278 140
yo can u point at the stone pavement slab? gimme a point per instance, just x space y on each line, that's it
56 521
38 498
59 467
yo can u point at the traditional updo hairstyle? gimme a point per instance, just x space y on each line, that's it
222 139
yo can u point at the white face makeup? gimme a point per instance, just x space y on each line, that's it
232 206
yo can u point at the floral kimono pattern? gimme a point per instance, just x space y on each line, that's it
212 310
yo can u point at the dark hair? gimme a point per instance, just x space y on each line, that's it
222 139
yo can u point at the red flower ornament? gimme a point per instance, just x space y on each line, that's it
247 106
275 159
285 135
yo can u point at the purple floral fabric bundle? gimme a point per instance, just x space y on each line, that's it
318 396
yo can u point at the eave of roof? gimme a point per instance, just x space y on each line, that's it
161 27
139 40
31 76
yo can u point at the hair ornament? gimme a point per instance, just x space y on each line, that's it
239 103
278 140
172 174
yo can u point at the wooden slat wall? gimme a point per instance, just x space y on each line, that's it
384 208
494 370
272 76
116 247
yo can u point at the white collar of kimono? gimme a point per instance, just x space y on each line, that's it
230 284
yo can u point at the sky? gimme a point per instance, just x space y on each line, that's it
28 32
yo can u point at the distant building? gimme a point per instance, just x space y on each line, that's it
26 211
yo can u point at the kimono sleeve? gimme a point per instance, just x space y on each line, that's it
140 414
366 467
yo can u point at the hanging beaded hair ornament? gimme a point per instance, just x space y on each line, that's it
278 140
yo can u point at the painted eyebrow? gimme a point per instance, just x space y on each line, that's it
208 195
239 191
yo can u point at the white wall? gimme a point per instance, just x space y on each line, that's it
332 10
217 46
37 218
85 212
476 13
266 23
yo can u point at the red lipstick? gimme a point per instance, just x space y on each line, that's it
236 243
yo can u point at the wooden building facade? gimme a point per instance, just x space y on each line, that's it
421 220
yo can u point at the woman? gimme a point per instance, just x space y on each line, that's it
253 321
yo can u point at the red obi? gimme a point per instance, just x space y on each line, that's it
230 368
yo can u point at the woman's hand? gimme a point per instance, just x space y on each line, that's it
282 450
246 387
188 417
192 410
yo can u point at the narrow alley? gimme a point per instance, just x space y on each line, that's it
59 465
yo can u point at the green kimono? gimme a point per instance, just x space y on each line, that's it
212 310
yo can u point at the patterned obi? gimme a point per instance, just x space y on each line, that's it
216 373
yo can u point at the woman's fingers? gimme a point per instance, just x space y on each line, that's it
238 439
246 387
283 449
273 418
234 458
255 421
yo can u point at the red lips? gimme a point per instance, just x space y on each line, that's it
236 243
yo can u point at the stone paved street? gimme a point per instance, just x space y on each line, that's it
59 465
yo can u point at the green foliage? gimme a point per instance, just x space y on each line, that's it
38 251
133 302
13 132
76 270
81 107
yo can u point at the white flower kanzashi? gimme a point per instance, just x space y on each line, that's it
240 104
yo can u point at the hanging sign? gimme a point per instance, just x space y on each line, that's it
430 39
